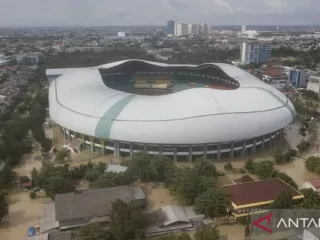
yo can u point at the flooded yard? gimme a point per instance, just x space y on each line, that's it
23 213
232 232
297 171
158 196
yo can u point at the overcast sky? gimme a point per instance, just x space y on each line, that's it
157 12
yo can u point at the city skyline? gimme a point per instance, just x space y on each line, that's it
124 12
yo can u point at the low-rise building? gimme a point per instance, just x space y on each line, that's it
256 197
314 84
314 184
34 58
170 219
71 210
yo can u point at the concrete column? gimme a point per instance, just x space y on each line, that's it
262 143
92 146
244 148
115 147
231 150
118 149
254 145
219 151
175 154
205 151
270 139
190 153
131 150
102 146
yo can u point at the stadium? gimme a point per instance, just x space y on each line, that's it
181 111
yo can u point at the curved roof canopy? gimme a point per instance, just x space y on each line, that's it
80 101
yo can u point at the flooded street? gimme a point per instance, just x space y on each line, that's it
297 171
292 135
232 232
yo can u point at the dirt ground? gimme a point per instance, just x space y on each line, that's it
23 213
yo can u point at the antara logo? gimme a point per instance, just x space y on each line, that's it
299 223
267 218
302 222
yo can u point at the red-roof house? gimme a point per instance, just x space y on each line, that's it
257 196
314 184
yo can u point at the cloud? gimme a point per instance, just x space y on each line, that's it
146 12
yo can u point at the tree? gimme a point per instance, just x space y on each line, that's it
46 145
6 176
185 185
311 199
188 183
263 169
213 203
249 165
278 157
228 167
4 207
58 184
96 231
62 154
32 195
207 233
110 179
126 221
140 166
205 167
312 163
284 201
284 177
303 145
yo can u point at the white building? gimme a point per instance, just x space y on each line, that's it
3 61
181 29
121 34
314 84
243 29
189 29
314 184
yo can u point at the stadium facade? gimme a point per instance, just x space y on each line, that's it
181 111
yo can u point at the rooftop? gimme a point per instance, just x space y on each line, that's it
258 191
93 202
116 168
315 182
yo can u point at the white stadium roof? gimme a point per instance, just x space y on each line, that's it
80 101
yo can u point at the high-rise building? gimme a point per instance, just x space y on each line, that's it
181 29
205 29
243 29
195 29
170 27
158 33
189 29
255 53
297 77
